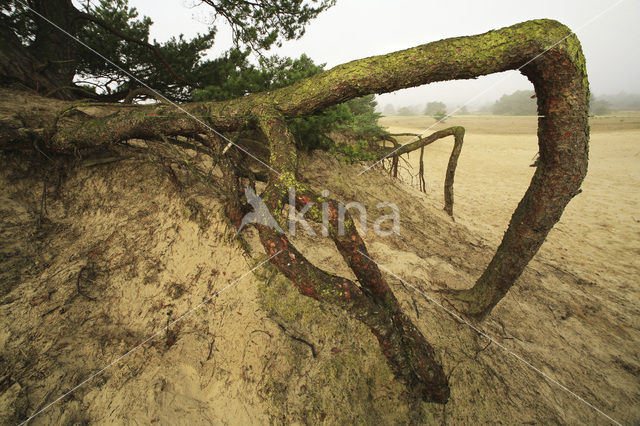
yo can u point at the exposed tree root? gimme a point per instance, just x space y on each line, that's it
423 183
557 71
457 132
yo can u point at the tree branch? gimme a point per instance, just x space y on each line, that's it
88 17
544 50
458 133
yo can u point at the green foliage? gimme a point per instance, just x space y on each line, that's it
440 116
310 132
351 153
260 24
183 56
407 110
256 25
239 78
356 116
437 110
520 102
15 17
363 116
232 76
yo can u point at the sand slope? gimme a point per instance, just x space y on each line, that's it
156 245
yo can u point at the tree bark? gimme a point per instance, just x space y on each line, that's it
48 65
544 50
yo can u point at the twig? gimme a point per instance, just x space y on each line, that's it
90 162
415 306
43 200
423 184
210 347
80 292
298 339
262 331
170 337
475 357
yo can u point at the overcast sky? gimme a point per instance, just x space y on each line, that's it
609 31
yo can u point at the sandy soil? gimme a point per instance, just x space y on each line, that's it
599 233
122 248
122 245
597 241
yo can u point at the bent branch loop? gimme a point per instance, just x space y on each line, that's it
544 50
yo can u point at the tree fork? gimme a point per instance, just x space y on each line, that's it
408 353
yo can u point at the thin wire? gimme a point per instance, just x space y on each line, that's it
158 94
491 87
153 336
492 340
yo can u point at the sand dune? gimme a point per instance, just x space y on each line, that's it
158 248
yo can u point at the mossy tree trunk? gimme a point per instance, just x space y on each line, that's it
557 70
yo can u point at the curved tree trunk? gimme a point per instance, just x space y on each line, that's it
557 70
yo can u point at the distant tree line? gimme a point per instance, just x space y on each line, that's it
520 102
622 101
435 109
523 102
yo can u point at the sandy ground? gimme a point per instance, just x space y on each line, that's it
122 247
599 233
597 240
